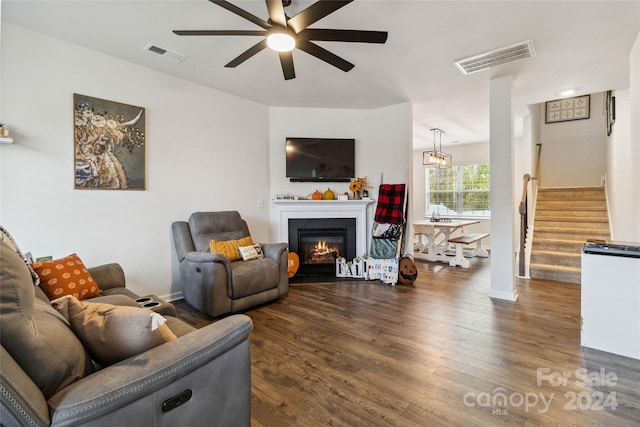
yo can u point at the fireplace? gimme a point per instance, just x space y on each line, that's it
319 241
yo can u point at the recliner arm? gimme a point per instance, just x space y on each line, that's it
108 276
273 250
206 257
210 361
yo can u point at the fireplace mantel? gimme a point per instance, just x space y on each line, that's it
358 209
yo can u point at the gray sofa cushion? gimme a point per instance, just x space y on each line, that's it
252 277
36 335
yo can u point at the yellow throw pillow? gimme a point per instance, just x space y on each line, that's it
66 276
229 248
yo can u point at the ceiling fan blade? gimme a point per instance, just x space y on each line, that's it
323 54
314 13
247 54
286 60
242 13
220 32
276 12
357 36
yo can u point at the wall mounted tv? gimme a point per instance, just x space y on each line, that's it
320 159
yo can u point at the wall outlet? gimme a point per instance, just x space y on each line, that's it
261 203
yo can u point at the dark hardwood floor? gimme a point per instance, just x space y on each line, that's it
439 352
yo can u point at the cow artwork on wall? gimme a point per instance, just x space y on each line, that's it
109 144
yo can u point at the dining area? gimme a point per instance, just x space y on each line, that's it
447 240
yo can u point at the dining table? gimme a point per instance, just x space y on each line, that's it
437 235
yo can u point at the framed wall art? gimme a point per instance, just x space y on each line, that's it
567 109
109 144
609 111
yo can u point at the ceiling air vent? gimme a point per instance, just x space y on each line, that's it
165 53
504 55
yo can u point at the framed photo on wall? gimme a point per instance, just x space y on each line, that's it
567 109
109 144
609 111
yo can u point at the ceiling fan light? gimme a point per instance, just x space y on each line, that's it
281 42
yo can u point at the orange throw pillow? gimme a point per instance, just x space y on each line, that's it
66 276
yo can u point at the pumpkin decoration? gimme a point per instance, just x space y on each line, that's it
328 195
407 271
292 264
316 195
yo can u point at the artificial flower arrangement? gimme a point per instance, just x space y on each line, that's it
358 185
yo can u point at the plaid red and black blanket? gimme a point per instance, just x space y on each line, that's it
390 209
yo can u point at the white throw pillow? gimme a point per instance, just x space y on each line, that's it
251 252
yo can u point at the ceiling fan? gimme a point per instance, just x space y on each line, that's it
294 31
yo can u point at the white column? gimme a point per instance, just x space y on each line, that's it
503 248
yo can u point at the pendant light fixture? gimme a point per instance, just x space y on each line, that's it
436 158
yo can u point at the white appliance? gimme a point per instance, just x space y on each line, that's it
611 297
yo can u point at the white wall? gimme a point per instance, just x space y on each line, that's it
200 155
620 171
634 84
383 144
623 157
573 152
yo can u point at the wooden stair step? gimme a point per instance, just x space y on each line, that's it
587 193
586 225
555 272
566 218
558 258
564 245
553 267
566 230
571 209
557 253
574 205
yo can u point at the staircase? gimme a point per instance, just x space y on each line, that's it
564 219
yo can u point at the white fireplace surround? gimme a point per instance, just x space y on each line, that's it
294 209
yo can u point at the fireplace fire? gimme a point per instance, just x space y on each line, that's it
321 253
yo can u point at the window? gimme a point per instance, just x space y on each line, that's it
458 191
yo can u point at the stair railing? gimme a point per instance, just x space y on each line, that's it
523 209
524 224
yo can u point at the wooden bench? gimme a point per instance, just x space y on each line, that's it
468 239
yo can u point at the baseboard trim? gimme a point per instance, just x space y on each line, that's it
172 297
506 296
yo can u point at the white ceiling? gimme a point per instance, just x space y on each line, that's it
582 45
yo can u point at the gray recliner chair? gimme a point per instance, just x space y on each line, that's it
213 284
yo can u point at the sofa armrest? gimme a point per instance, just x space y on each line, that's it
108 276
212 362
202 257
273 250
279 252
21 401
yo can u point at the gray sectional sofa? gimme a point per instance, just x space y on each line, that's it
202 377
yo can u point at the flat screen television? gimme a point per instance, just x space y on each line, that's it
320 159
